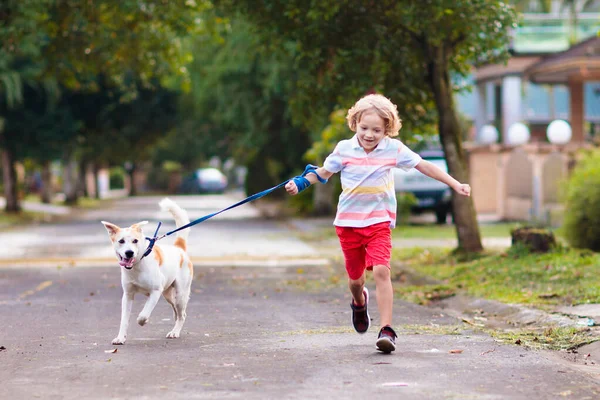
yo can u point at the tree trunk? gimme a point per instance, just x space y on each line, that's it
82 179
131 173
10 182
96 180
323 198
70 179
465 217
46 183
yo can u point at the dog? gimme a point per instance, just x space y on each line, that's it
167 270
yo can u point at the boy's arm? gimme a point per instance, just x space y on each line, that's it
433 171
312 178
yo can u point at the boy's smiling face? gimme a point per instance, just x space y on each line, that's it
370 130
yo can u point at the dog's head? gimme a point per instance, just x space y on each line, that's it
129 243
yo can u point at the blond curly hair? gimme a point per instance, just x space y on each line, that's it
382 106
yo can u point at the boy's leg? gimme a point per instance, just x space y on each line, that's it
385 293
356 287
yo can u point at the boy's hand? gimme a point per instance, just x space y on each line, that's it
291 188
463 189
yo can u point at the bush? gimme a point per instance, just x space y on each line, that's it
582 203
406 201
117 178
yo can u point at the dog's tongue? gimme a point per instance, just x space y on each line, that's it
127 262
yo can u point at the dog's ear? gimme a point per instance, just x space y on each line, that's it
112 229
139 225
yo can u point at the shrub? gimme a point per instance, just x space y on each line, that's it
406 201
582 203
117 178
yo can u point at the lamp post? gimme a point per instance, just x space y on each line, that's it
518 133
488 134
559 132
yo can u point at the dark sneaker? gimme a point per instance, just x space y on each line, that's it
360 315
386 341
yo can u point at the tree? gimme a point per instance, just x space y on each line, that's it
406 47
20 33
74 41
45 127
239 104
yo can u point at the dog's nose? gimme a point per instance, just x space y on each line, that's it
129 254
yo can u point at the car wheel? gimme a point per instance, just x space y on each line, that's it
440 215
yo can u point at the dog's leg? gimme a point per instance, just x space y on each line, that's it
126 303
169 295
148 307
182 298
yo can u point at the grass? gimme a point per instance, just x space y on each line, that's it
561 277
24 217
554 338
429 231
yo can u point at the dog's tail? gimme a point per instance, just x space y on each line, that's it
181 218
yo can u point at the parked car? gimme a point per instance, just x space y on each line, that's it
204 180
432 195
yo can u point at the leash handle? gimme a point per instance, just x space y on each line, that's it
312 169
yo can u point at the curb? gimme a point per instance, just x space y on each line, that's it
270 262
490 313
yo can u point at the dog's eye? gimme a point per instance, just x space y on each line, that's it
122 241
135 240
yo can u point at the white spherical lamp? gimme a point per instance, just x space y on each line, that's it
559 132
518 133
488 134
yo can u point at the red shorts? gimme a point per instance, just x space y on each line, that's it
365 247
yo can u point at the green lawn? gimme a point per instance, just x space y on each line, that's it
564 276
431 231
426 231
24 217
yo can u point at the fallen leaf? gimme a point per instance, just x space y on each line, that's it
518 341
455 351
2 348
488 351
110 351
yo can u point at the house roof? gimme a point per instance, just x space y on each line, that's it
581 62
515 66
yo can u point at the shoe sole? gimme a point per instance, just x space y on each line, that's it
385 345
366 292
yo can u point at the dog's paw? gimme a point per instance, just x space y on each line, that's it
142 320
172 335
118 340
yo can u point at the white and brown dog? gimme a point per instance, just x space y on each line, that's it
167 270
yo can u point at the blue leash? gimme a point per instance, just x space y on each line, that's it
310 169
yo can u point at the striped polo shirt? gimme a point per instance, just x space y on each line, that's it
368 196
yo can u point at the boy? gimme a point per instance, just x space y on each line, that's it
366 210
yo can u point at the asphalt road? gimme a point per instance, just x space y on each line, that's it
253 332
